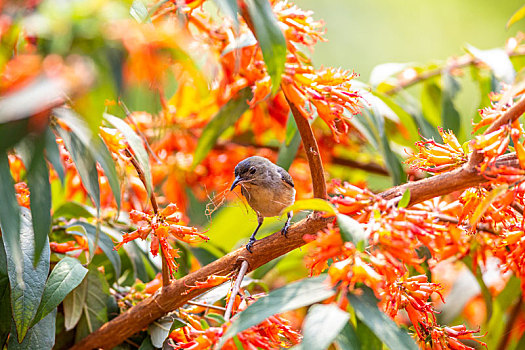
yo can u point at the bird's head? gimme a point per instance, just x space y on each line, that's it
250 169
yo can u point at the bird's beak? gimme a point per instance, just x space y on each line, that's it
235 182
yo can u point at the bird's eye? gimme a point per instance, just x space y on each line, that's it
252 170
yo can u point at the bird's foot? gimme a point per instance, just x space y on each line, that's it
250 244
284 231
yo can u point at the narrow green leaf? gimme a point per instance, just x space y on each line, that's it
84 162
78 230
40 195
270 38
366 310
348 339
70 210
295 295
352 231
367 338
65 277
74 305
95 307
94 145
517 16
498 60
146 344
136 255
40 336
53 155
405 199
230 8
5 299
289 147
10 219
204 256
311 204
450 117
105 243
261 271
136 144
322 325
26 292
431 102
225 118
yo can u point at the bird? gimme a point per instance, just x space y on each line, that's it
267 187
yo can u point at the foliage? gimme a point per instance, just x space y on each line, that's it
83 178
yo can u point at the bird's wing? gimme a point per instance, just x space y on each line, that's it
285 176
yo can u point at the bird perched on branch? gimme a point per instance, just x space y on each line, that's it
268 188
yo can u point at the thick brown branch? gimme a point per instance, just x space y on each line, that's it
173 296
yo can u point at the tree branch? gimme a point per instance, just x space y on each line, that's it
173 296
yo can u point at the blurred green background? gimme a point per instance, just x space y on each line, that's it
363 34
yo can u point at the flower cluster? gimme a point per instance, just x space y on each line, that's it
162 226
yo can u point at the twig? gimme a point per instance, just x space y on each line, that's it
165 270
459 62
235 290
141 134
453 220
209 306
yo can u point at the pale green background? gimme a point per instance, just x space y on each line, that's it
365 33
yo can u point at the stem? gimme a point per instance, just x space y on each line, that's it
209 306
312 152
235 290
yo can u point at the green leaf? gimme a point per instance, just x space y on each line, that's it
352 231
84 162
367 338
498 60
78 230
450 117
348 339
366 310
5 300
74 305
230 8
270 38
405 199
40 336
70 210
261 271
431 102
289 147
136 144
10 218
95 146
139 11
146 344
26 292
65 277
226 117
203 256
322 325
104 242
159 331
517 16
95 307
295 295
316 204
40 195
136 256
53 155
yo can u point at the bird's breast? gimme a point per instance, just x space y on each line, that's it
267 201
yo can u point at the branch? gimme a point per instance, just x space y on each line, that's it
312 151
173 296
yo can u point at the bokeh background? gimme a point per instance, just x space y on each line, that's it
363 34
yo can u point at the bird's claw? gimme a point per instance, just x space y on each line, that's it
284 231
250 245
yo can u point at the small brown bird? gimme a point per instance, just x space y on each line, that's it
268 188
